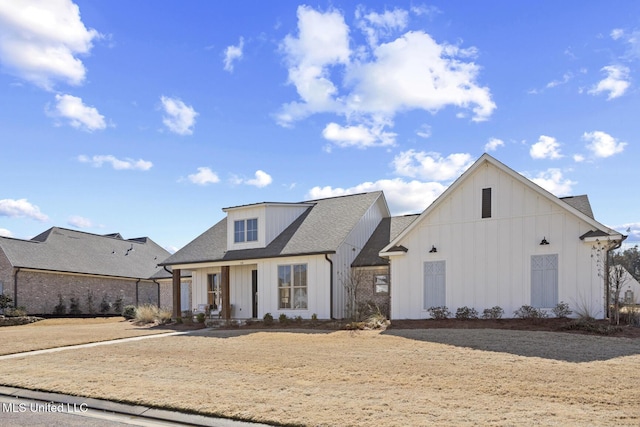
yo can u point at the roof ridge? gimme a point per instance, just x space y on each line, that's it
344 195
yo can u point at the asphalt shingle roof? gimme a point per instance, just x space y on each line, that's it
63 250
320 229
580 203
387 230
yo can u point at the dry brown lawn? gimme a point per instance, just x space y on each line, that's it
52 333
341 378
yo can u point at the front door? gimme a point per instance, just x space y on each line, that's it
254 293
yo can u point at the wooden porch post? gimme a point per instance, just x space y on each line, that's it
176 294
224 283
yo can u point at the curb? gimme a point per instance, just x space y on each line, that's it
140 411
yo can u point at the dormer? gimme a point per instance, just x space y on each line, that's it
255 226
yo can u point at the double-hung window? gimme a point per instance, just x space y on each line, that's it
292 286
245 230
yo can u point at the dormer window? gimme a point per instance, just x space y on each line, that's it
245 230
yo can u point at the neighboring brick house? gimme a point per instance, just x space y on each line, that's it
371 272
90 268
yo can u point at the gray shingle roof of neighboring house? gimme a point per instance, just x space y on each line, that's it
387 230
321 229
580 203
70 251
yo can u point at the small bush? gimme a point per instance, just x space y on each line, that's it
592 326
90 306
200 317
268 319
495 312
298 319
15 312
60 309
146 313
561 310
314 319
439 313
5 301
117 304
466 313
283 319
164 315
377 321
129 312
105 305
528 312
74 306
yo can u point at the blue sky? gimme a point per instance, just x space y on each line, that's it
149 117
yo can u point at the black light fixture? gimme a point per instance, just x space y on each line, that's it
433 249
544 241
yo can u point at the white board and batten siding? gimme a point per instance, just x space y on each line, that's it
349 250
486 262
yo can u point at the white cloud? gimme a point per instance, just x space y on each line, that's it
403 197
80 222
426 165
617 33
359 136
180 118
412 71
554 182
118 164
424 131
546 148
262 179
602 144
232 54
204 176
616 83
5 233
566 77
77 113
41 39
578 158
21 208
493 144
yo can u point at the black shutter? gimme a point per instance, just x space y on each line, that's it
486 203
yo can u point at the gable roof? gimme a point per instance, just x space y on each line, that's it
387 230
69 251
321 229
577 205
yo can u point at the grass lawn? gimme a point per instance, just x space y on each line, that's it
51 333
340 378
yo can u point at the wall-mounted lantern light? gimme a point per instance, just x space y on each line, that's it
433 249
544 241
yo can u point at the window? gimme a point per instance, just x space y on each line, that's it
214 294
434 284
486 203
245 230
381 284
292 286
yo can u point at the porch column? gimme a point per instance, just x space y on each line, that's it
224 284
176 294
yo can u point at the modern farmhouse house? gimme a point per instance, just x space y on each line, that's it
64 264
290 258
494 238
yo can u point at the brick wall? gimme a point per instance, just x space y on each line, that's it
38 291
366 294
6 275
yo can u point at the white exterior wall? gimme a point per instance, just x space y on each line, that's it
488 261
350 249
272 220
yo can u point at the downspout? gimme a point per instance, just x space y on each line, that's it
137 282
15 287
157 283
326 256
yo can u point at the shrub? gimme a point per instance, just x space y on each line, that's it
105 305
466 313
129 312
200 317
90 306
117 304
561 310
60 309
298 319
377 321
15 312
591 326
5 301
495 312
74 306
528 312
314 319
146 313
283 319
439 313
268 319
164 315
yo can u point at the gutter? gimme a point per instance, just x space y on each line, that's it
326 256
15 287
